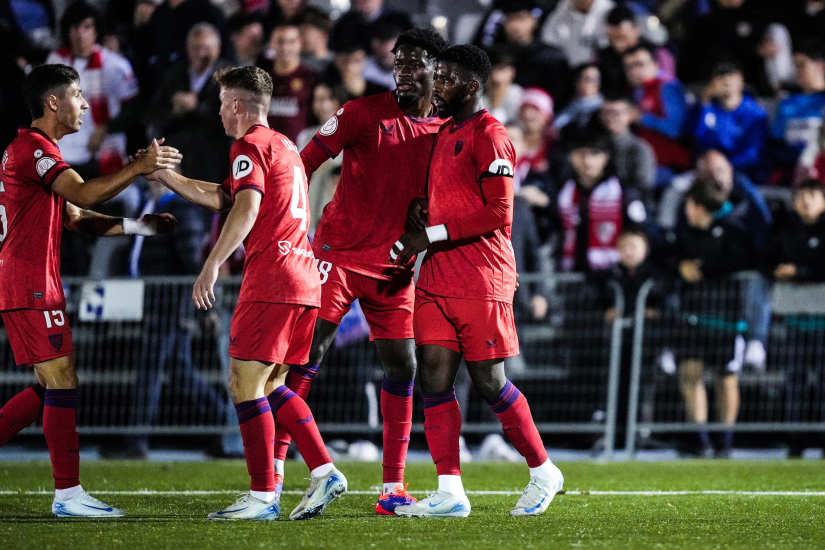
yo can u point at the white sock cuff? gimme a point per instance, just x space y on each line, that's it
279 466
66 494
322 470
545 472
451 484
266 496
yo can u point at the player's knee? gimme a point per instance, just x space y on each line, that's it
58 374
400 371
691 372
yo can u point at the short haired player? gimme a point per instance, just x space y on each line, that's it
40 195
266 194
464 293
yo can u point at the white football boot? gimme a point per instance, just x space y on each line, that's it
538 495
83 505
440 504
322 490
249 507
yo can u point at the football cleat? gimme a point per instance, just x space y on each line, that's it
399 497
538 495
249 507
83 505
440 504
322 490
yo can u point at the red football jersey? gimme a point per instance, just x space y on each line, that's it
279 266
481 268
31 223
386 154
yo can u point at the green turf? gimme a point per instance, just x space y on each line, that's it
572 521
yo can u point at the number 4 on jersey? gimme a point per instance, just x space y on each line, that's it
299 195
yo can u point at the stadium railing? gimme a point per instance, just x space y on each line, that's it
712 321
150 363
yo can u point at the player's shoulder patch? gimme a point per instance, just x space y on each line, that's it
241 166
500 167
329 126
44 165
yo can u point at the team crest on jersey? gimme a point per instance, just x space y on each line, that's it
329 126
38 153
56 340
241 167
44 165
459 145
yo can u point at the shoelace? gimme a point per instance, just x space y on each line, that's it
526 494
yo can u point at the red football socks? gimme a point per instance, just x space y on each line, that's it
20 411
293 414
442 427
61 436
257 432
396 408
299 380
512 410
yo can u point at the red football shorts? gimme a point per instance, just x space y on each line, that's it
478 329
387 305
37 336
272 333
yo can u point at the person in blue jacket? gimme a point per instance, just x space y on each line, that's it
729 121
799 116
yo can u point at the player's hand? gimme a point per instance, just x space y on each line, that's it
203 293
161 223
785 272
417 214
158 157
408 246
184 102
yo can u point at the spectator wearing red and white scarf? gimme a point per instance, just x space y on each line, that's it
107 81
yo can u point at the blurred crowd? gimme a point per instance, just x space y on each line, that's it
676 139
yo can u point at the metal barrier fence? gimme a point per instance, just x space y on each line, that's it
150 363
709 323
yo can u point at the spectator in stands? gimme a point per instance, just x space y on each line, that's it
166 349
662 107
623 33
247 35
284 11
361 22
163 40
315 28
501 94
709 247
592 207
110 88
799 117
185 108
290 109
732 30
632 156
586 100
730 121
798 246
347 70
537 64
326 100
535 115
776 50
578 27
380 63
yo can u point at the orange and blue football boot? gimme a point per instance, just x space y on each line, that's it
399 497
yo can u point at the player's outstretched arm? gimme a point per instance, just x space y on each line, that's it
87 194
203 193
99 225
239 223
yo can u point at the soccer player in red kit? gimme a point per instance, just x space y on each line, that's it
386 140
280 294
40 195
464 295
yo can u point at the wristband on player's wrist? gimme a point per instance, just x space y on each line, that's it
437 233
132 226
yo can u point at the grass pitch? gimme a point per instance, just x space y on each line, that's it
595 512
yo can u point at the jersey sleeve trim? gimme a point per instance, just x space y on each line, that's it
53 173
323 146
257 188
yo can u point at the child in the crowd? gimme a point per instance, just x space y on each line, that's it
798 247
709 334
